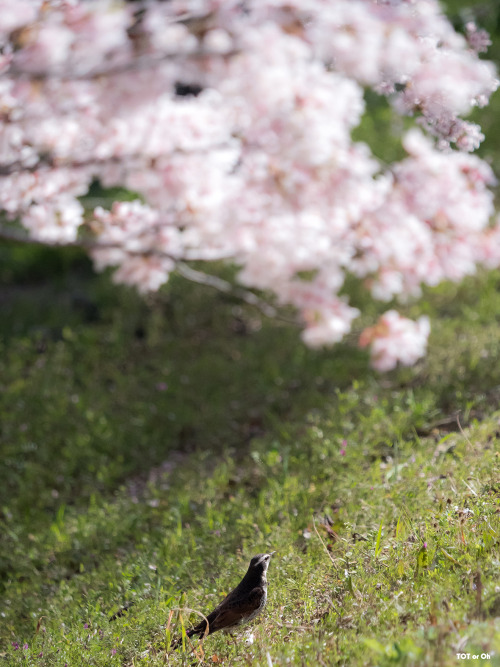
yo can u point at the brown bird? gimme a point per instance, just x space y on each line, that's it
241 605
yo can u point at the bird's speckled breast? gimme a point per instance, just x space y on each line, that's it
258 609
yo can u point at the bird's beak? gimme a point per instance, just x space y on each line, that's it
272 552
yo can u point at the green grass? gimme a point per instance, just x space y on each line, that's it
150 448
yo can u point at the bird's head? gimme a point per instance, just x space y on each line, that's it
260 563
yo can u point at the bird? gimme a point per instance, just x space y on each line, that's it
240 606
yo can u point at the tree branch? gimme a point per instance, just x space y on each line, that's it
226 287
193 275
138 64
53 162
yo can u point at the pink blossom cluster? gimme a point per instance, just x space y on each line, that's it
133 238
396 339
256 164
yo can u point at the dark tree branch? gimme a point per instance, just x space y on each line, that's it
10 234
51 162
138 64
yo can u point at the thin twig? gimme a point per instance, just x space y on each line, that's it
324 545
226 287
291 626
469 487
463 433
330 601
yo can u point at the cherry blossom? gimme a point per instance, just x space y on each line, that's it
396 339
233 124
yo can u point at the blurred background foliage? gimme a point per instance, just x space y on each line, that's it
63 326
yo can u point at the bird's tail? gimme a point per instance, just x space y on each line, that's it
192 632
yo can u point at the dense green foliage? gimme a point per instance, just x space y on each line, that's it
151 446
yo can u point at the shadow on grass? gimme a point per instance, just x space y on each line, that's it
101 385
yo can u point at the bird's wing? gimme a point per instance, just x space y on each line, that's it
237 610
